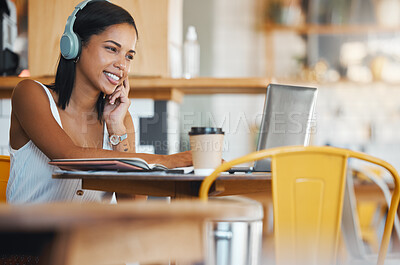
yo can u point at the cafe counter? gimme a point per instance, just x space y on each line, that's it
159 88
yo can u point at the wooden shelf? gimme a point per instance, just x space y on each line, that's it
331 29
167 88
340 82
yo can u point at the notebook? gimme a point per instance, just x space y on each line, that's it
120 164
287 120
129 164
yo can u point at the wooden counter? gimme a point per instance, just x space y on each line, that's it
167 88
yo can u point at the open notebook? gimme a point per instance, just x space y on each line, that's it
128 164
287 120
121 164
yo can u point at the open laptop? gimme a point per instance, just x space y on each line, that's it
287 120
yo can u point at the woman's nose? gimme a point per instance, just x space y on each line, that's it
120 64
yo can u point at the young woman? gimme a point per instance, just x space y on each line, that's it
82 114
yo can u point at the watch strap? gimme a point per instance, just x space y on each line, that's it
116 139
123 137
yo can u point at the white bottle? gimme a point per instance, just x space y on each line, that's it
191 54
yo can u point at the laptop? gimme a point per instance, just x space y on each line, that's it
287 120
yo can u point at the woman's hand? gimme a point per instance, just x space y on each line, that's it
183 159
116 107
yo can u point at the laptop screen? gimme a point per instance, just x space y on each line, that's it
286 120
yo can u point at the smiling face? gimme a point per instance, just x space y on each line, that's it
106 59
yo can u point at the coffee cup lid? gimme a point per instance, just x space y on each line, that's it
205 130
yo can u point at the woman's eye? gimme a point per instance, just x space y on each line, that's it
111 49
129 57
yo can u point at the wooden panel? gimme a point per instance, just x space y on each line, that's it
332 29
145 242
5 93
47 21
151 19
131 187
234 187
369 192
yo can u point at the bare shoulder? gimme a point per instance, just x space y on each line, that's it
27 87
29 92
27 84
30 104
29 101
32 118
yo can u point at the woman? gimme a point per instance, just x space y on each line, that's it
74 117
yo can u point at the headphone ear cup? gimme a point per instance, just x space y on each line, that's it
70 45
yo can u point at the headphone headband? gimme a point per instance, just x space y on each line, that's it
70 44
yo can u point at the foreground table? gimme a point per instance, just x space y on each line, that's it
75 234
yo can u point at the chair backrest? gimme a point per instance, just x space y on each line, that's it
308 190
4 174
351 225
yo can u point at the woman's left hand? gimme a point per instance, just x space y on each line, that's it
116 107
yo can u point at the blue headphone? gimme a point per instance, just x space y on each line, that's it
70 43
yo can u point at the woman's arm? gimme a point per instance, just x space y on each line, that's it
118 119
32 113
127 145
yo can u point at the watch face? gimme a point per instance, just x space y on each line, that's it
114 139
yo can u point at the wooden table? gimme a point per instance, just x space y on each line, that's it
168 185
75 234
188 185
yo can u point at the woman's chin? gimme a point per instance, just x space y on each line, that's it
108 90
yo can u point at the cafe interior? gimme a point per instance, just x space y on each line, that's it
310 87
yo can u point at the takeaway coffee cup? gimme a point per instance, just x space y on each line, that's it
206 144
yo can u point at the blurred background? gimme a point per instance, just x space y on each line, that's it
348 49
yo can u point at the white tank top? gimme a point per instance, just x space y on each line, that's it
31 176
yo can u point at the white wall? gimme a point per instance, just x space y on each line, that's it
5 114
231 46
364 117
238 43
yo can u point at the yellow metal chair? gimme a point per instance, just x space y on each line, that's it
308 190
359 228
366 212
4 174
371 213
